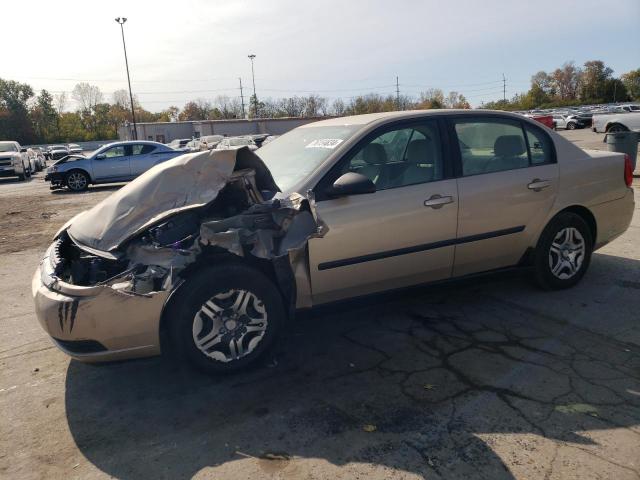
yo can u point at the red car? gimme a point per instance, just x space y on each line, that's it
546 120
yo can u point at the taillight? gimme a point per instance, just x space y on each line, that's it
628 170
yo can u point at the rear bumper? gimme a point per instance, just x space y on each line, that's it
613 218
99 323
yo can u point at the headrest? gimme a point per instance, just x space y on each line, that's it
509 146
419 151
374 154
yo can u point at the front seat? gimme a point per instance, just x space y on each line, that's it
422 162
375 157
508 150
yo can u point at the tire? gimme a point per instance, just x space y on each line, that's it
616 127
571 126
205 313
563 252
77 181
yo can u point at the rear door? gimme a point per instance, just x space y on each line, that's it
508 180
113 164
143 157
403 234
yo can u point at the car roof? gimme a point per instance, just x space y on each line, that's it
368 118
134 142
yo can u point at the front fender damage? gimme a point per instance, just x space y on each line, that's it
245 216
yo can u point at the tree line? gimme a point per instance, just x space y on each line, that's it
571 85
45 118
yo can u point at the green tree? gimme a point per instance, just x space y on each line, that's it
594 78
15 123
631 81
44 118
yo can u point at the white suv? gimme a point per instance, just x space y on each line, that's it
14 161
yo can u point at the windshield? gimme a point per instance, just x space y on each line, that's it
293 156
8 147
235 142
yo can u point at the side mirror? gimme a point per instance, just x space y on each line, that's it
351 183
23 150
101 156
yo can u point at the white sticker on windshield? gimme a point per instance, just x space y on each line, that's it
330 143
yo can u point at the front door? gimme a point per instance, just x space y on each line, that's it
112 164
507 186
403 234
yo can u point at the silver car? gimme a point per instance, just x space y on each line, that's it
212 253
115 162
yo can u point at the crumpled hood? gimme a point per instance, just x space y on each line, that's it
185 182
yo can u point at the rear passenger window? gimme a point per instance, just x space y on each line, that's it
141 149
539 146
491 145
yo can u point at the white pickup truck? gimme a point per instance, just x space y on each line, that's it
615 122
14 161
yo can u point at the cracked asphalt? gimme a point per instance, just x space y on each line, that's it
487 378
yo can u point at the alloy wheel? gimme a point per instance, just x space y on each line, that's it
567 252
76 181
230 325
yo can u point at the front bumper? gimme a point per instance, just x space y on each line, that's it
97 323
56 179
8 172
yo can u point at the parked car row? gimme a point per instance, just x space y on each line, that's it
221 142
571 118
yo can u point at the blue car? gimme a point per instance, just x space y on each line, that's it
115 162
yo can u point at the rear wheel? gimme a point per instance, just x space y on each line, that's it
616 128
563 252
77 180
227 318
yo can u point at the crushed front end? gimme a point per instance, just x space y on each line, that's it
106 304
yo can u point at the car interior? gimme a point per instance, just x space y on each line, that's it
402 157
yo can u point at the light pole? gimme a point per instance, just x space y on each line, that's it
253 78
126 62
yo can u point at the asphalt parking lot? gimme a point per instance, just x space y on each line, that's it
483 379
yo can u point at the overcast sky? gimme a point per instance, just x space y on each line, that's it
182 50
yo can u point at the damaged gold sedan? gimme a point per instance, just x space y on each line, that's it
212 252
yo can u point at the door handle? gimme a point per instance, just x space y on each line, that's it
537 185
437 201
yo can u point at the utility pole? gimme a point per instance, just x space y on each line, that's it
397 93
126 62
241 97
253 77
504 89
615 85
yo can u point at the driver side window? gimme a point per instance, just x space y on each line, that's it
400 157
114 152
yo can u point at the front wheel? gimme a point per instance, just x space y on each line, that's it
77 181
571 126
563 252
227 318
23 176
